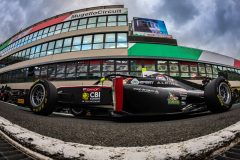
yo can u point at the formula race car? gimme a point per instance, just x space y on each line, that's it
152 94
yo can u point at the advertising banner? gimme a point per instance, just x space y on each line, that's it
150 27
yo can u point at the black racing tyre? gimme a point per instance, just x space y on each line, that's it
42 97
78 111
218 95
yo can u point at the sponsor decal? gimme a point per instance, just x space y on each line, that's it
91 95
135 81
144 90
20 101
173 100
166 83
220 100
146 82
92 89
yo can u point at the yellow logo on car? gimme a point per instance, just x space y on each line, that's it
85 96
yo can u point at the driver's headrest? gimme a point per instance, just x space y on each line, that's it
148 73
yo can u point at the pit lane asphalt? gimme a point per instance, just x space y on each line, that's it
106 132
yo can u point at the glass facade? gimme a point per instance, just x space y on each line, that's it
93 69
92 22
70 44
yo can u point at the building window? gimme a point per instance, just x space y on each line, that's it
174 68
149 65
215 71
98 41
82 69
95 69
87 42
162 67
32 52
71 70
121 40
66 26
92 22
67 45
51 31
122 67
36 72
77 41
74 25
28 53
58 28
58 46
43 50
51 72
202 69
45 32
50 48
112 21
122 20
82 23
108 67
184 68
209 70
102 21
44 72
136 67
193 69
34 38
60 74
110 40
37 51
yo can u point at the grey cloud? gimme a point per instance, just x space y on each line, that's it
181 11
227 16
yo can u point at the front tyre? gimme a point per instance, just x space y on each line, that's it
43 97
218 95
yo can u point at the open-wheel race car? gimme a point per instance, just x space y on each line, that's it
152 94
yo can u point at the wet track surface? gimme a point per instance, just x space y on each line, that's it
105 132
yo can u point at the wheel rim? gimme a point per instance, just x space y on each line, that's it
37 95
225 93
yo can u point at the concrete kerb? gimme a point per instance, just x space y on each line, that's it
197 148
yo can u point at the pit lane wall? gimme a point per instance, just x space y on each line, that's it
180 53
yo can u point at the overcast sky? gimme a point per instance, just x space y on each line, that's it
212 25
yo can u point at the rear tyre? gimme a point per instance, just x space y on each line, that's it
43 97
218 95
78 111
